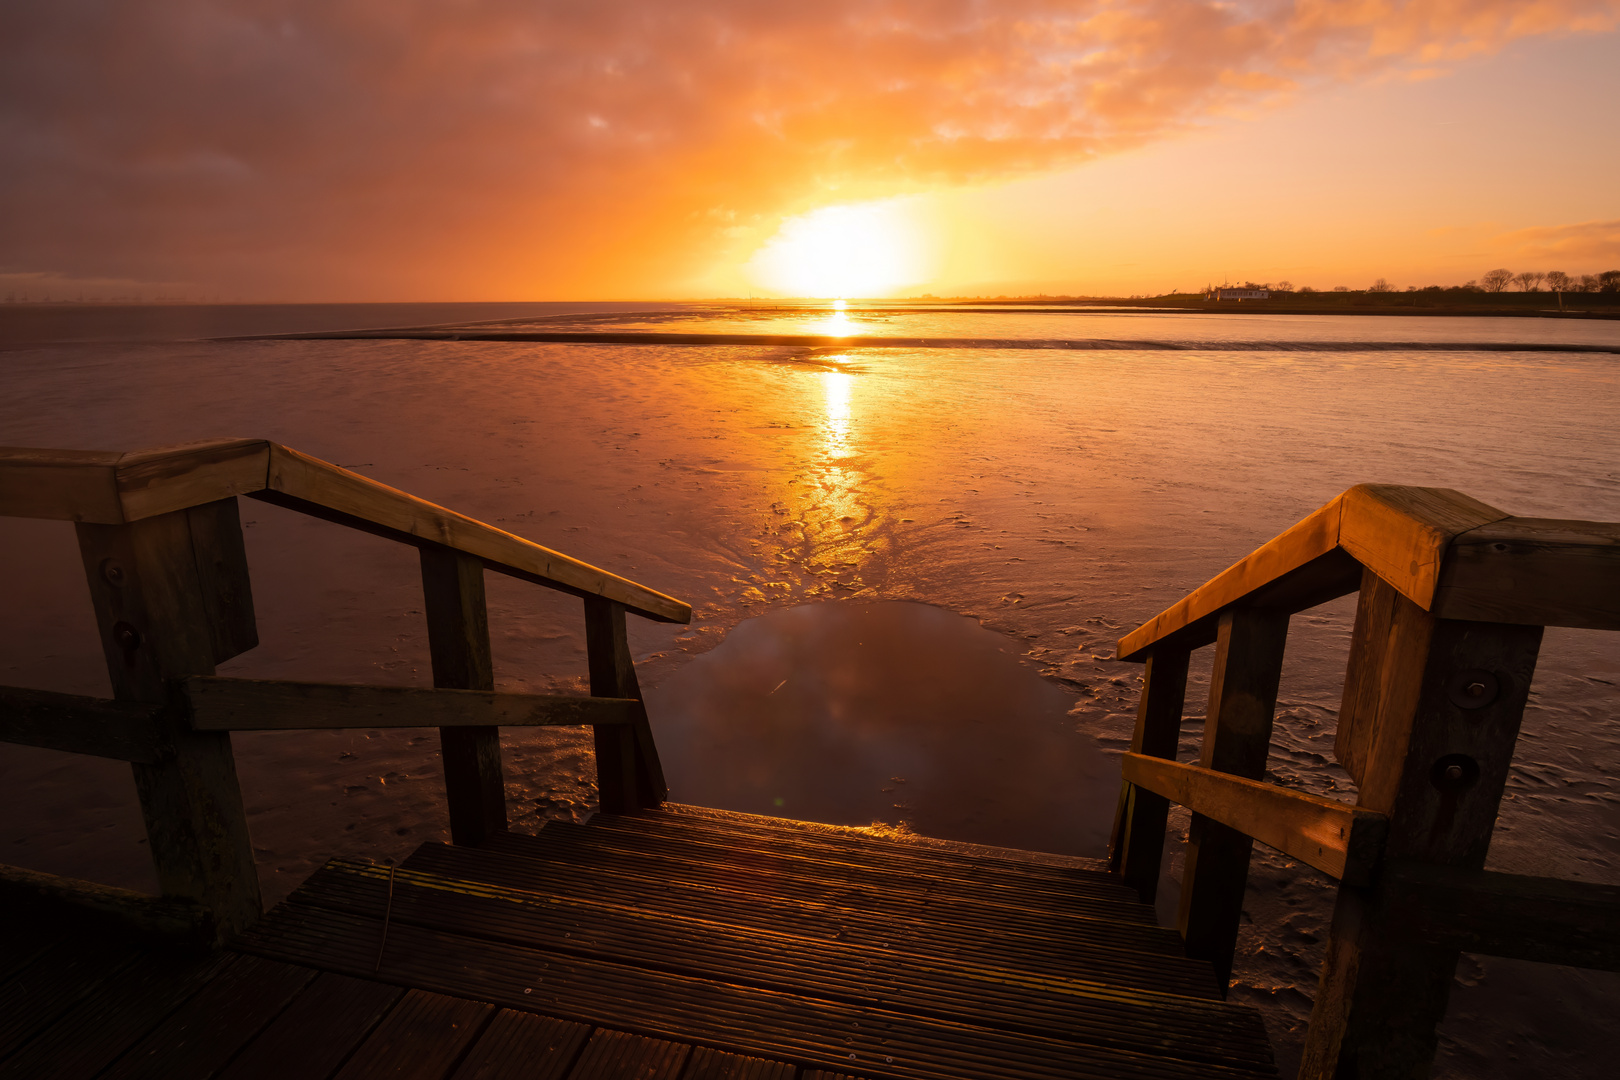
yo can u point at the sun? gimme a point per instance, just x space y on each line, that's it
864 250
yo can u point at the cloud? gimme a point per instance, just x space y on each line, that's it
381 148
1584 246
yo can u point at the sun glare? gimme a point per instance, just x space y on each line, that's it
842 251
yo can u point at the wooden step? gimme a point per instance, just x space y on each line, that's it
871 1042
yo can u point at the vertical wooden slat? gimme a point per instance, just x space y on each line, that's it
1137 847
156 584
458 639
628 773
1237 740
1440 739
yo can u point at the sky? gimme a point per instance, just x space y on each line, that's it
345 150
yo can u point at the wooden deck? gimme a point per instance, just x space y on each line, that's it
678 943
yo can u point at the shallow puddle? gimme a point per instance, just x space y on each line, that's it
854 713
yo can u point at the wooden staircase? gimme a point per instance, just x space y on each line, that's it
685 943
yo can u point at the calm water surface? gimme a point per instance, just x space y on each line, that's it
908 569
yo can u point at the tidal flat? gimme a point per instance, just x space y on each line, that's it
908 568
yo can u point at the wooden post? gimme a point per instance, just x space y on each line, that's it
172 598
1438 704
458 639
1137 847
1237 740
628 773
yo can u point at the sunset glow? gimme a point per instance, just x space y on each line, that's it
840 251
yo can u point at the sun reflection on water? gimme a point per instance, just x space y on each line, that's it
836 385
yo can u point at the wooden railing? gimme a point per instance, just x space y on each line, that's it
161 541
1453 598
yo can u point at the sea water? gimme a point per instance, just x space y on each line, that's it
908 568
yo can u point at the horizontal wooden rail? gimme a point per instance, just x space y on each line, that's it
184 922
221 704
1528 918
1449 554
117 488
121 730
1339 839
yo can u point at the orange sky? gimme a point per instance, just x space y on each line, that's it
488 149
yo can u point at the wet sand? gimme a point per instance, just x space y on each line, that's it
1018 509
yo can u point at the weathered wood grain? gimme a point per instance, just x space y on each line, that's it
1237 740
1339 839
628 772
316 487
1401 533
458 641
1547 920
180 922
1451 701
156 622
217 703
121 730
421 1038
1534 570
1137 845
523 1046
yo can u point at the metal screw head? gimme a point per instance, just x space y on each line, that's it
113 571
1454 773
127 636
1473 689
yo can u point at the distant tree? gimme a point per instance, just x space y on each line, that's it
1470 286
1530 280
1558 281
1609 281
1496 281
1381 286
1341 288
1306 289
1285 286
1590 283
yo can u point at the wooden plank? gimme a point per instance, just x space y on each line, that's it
165 479
222 576
523 1046
1402 533
1193 619
155 621
1341 840
1439 761
82 1043
218 703
54 983
122 730
180 921
628 772
707 1063
312 486
316 1032
1132 954
198 1039
960 988
1538 571
618 1055
64 485
1136 847
421 1038
776 1026
1237 740
1547 920
458 639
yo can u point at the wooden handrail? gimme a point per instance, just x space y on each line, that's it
1449 554
114 489
1453 598
1341 840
